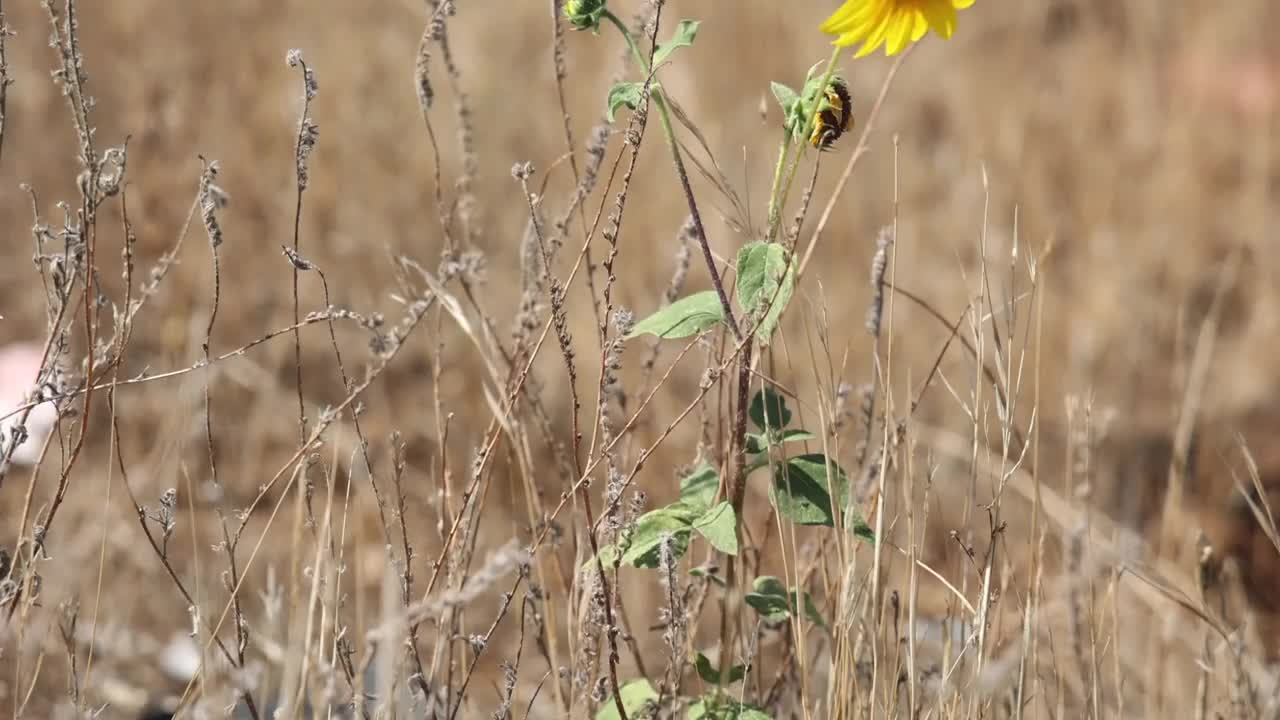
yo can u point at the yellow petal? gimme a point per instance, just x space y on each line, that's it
846 40
838 18
941 16
893 24
851 13
876 37
921 27
855 17
900 35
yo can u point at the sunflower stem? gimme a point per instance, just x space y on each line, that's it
669 131
779 200
775 210
641 60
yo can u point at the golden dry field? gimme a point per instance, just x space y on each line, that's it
365 405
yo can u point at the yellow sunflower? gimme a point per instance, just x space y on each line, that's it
892 23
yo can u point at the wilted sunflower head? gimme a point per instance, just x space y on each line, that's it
835 114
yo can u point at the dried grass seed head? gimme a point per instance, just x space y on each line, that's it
879 266
212 200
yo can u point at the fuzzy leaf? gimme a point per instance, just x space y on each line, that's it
636 696
692 315
703 571
794 435
811 610
685 33
625 94
699 487
766 279
608 554
853 521
787 98
769 410
711 707
641 547
719 526
802 490
760 442
711 674
646 539
683 509
771 599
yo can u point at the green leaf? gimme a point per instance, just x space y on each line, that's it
636 696
719 526
646 539
699 487
641 546
705 671
704 572
812 82
811 611
787 98
686 31
760 461
692 315
795 435
607 555
759 442
710 674
853 520
771 599
766 279
712 707
802 489
683 509
625 94
769 410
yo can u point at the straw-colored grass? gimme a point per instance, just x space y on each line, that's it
364 409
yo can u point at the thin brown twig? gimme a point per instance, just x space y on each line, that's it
5 80
144 378
306 136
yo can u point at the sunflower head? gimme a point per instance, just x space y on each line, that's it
828 103
584 14
895 24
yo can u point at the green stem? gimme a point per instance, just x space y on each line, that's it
641 60
775 210
780 201
669 131
656 92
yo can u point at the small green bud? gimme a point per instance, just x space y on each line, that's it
584 14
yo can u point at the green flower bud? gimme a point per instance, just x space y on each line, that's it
584 14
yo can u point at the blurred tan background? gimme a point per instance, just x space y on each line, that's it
1134 137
